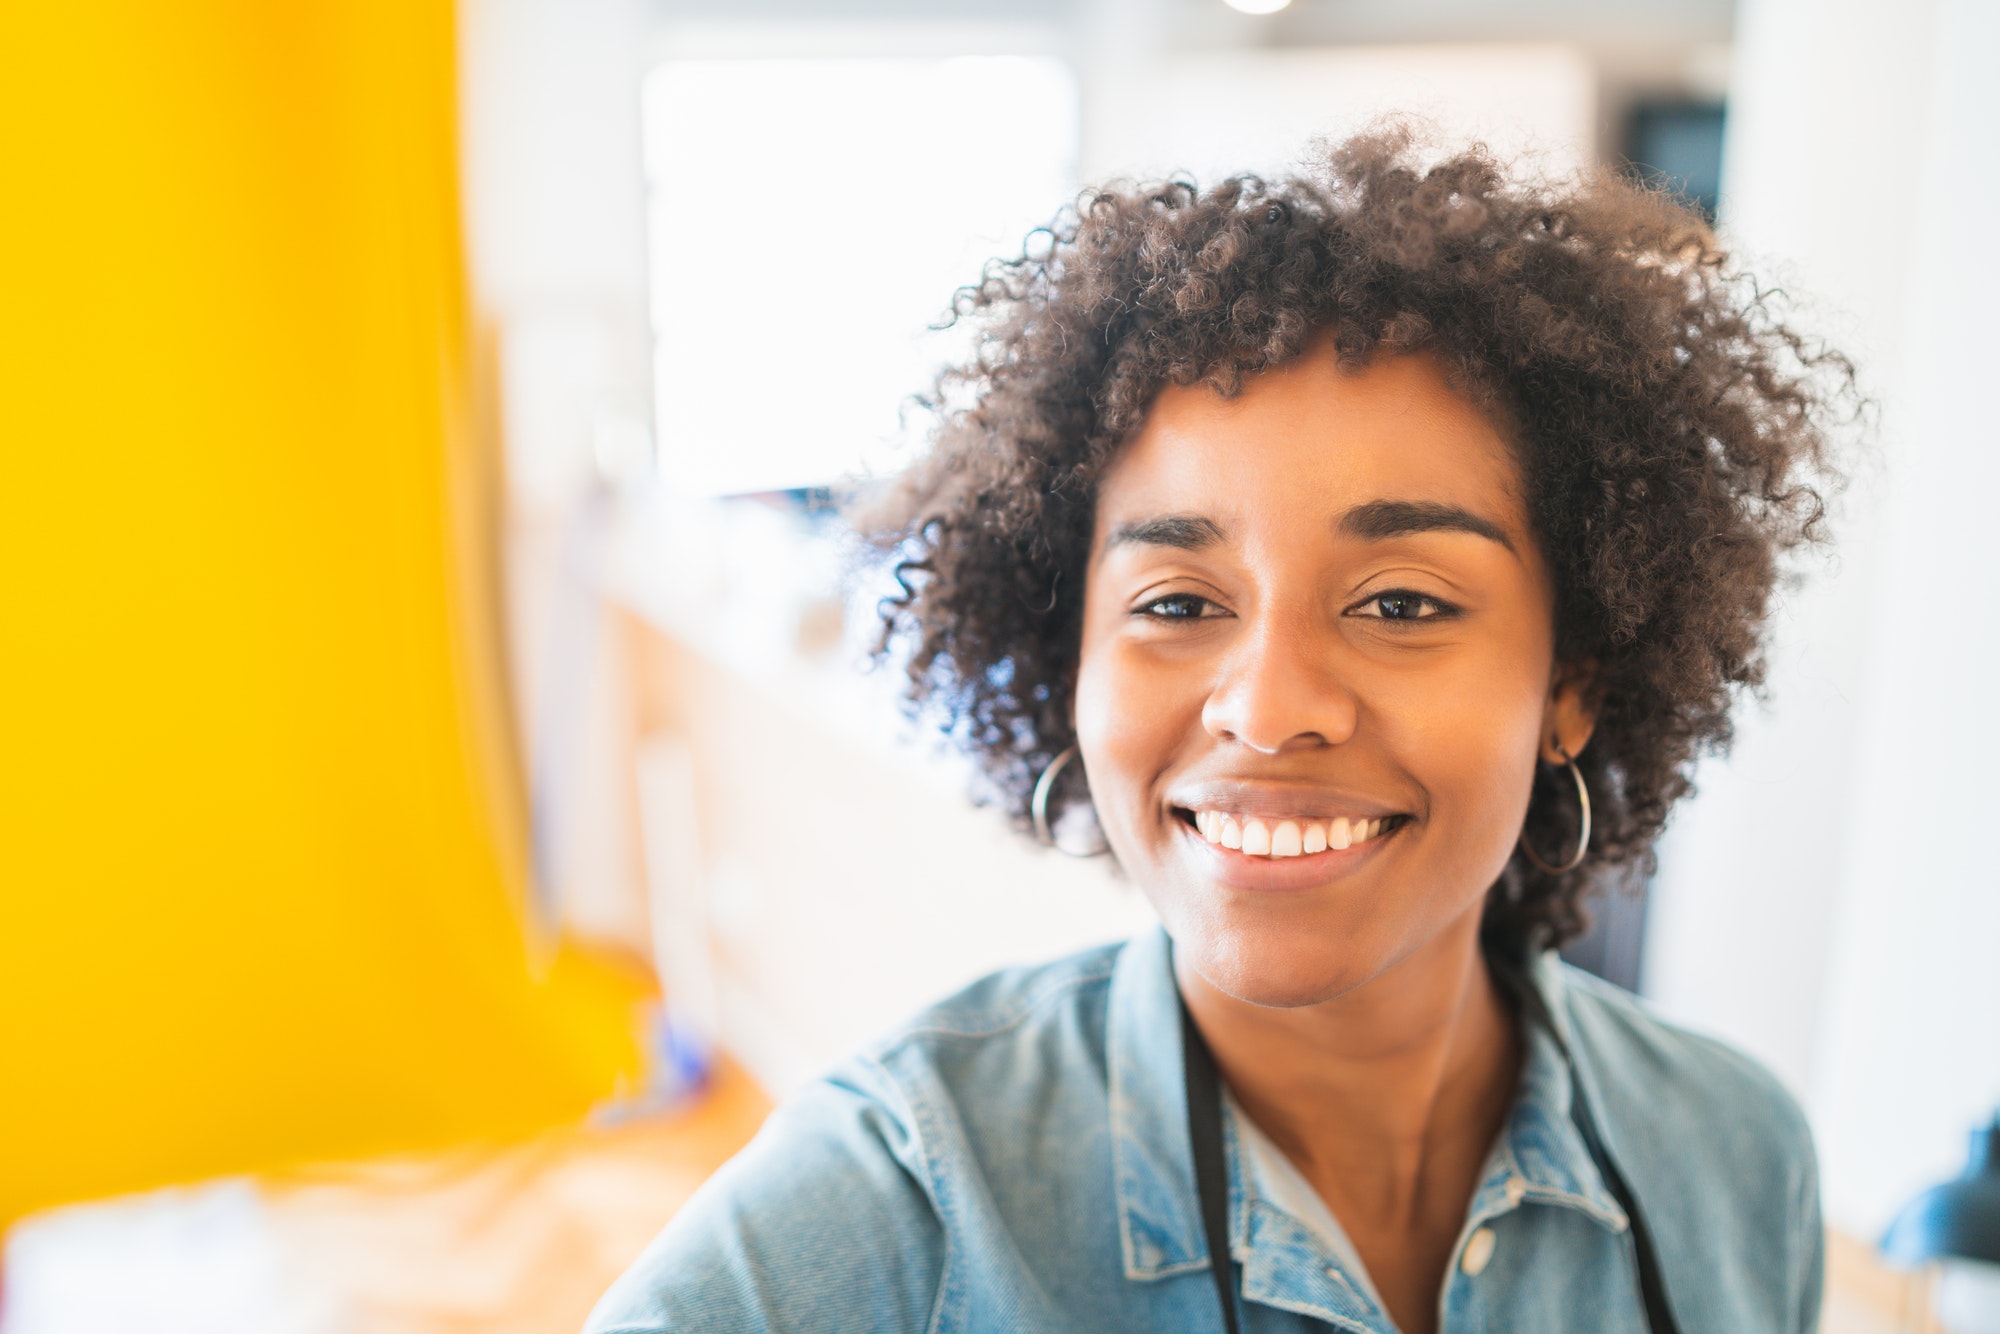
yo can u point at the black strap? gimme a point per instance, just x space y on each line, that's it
1211 1173
1514 980
1652 1289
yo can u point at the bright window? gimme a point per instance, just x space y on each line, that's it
809 221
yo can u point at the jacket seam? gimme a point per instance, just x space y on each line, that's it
928 1177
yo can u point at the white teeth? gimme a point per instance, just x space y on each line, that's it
1256 837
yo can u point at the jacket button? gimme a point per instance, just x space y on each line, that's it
1478 1250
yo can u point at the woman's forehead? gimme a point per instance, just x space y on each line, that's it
1311 440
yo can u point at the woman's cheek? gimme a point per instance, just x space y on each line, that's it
1473 750
1125 731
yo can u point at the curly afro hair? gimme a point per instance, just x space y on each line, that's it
1672 434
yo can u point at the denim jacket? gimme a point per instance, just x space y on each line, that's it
1017 1159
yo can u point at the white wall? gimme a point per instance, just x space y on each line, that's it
1910 1048
554 185
1825 900
555 230
1217 113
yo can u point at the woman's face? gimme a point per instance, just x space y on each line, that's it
1317 628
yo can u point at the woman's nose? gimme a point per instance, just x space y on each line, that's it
1280 691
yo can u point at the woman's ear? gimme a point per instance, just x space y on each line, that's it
1570 715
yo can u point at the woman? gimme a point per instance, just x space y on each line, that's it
1371 556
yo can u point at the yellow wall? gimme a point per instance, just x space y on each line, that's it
256 890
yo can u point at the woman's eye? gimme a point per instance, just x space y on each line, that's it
1402 605
1179 607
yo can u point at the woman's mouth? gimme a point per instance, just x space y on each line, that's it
1259 836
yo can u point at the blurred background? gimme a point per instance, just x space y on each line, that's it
443 804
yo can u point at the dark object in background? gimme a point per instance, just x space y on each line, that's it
1615 944
1958 1220
1677 146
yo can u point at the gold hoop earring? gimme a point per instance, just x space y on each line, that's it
1038 805
1583 830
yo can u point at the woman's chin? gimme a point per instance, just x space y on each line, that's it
1280 973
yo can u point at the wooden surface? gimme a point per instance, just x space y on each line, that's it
509 1241
1866 1296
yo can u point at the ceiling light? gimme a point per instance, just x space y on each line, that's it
1257 6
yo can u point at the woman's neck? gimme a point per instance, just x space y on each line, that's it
1387 1098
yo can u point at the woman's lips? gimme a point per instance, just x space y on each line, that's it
1278 836
1237 869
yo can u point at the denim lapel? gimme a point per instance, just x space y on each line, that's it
1159 1219
1541 1148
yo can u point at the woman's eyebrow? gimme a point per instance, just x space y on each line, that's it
1381 519
1188 532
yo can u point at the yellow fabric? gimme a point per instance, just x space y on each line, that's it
259 894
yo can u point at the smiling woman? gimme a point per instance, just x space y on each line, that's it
1361 639
1371 555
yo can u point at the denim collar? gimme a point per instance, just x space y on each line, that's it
1540 1157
